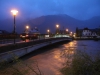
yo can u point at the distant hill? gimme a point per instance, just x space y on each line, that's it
49 21
64 21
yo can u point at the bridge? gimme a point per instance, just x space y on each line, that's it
11 51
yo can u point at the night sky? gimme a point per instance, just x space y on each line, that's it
79 9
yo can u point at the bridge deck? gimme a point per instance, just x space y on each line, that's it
11 47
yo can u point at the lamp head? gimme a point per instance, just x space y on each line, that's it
27 27
67 30
57 26
71 32
14 12
48 30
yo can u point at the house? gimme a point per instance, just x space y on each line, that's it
86 32
3 32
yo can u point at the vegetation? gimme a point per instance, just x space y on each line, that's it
19 67
81 63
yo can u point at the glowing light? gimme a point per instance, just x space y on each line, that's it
67 30
57 26
48 30
27 27
71 32
26 35
14 12
74 35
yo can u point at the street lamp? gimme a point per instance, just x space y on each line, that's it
57 28
14 12
66 30
26 31
71 33
48 31
27 27
74 35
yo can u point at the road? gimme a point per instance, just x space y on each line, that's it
10 41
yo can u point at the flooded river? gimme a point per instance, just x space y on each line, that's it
49 61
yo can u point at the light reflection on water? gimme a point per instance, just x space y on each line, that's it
51 61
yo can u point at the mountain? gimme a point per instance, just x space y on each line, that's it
49 22
65 21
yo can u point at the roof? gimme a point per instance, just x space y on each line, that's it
34 31
86 28
4 32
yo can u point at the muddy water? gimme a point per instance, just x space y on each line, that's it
49 61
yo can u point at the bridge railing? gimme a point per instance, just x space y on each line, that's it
11 47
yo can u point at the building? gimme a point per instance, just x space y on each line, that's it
3 32
86 32
61 33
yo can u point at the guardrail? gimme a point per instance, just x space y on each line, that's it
25 48
11 47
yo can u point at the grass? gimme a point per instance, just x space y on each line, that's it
82 64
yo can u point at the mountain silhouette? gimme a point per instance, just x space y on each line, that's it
49 22
65 21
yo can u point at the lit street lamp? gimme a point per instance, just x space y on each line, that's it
27 27
14 12
48 31
57 28
26 31
74 35
71 33
66 30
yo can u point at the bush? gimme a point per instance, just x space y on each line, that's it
82 64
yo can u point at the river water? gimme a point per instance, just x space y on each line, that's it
51 60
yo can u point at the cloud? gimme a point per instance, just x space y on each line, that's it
80 9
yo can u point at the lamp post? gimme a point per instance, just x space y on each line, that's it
14 12
71 33
26 31
67 31
48 31
57 28
27 27
74 35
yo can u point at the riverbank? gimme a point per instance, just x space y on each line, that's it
81 38
82 64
